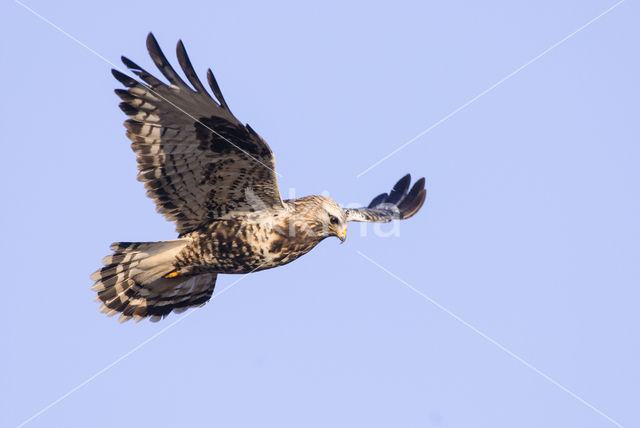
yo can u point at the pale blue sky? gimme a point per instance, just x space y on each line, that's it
530 231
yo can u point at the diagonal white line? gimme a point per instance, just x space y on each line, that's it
127 354
489 89
103 370
147 87
494 342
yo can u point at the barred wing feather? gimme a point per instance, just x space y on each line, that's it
195 158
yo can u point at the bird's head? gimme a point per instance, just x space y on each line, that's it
335 219
323 216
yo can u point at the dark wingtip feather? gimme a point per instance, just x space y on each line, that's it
130 64
415 189
399 190
419 183
128 109
414 200
216 89
141 72
378 200
160 60
415 205
154 49
407 203
151 41
187 68
124 94
404 181
123 78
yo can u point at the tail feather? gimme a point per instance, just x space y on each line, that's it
134 281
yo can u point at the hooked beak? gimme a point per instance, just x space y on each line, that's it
341 236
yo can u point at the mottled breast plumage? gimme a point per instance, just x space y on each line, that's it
245 244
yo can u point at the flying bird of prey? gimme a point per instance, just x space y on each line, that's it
215 179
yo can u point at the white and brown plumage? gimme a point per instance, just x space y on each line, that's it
215 178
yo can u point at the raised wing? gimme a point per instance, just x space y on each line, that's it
197 161
398 204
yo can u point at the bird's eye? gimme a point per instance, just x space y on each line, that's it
333 220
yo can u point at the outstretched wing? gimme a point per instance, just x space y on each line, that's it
195 158
398 204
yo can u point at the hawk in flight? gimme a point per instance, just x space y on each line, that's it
215 178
